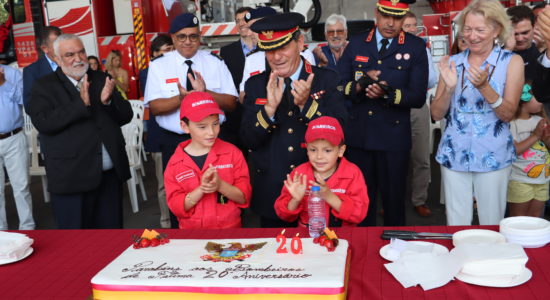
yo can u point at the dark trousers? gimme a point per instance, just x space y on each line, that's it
385 173
100 208
168 143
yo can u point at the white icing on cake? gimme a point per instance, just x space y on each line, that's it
179 264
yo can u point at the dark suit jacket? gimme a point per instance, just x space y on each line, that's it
31 73
233 57
71 133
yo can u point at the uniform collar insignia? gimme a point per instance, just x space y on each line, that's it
401 37
371 34
307 67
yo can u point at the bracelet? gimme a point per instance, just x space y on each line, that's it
497 103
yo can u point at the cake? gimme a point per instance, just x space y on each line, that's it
185 269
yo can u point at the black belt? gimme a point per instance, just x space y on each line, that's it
13 132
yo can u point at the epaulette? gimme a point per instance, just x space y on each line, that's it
154 58
252 52
216 55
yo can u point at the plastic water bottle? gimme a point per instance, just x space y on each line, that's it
316 212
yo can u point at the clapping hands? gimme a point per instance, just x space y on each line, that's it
210 181
296 185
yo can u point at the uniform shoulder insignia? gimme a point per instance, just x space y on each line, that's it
252 52
216 55
305 48
155 58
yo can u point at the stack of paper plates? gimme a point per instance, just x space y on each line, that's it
530 232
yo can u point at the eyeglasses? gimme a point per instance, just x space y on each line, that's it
183 37
335 32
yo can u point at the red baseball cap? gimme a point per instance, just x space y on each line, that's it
327 128
198 105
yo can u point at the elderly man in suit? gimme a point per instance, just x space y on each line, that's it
78 113
44 65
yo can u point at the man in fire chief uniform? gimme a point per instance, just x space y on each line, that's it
278 106
384 73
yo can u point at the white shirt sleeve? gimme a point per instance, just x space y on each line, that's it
544 61
153 85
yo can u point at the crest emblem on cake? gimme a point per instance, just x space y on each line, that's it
229 252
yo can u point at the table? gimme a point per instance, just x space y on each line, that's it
64 261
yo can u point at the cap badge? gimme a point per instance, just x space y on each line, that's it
394 2
247 16
268 34
195 21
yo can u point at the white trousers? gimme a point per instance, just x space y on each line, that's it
489 189
14 155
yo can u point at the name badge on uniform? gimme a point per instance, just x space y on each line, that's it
362 58
358 75
261 101
172 80
185 175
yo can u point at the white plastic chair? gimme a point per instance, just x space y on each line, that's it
138 108
35 169
133 135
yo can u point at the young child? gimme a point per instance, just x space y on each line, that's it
206 180
342 184
528 186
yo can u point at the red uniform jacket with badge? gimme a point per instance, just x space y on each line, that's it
275 145
347 183
384 123
182 176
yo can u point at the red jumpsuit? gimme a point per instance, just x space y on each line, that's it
347 183
182 176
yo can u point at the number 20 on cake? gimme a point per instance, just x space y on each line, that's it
226 269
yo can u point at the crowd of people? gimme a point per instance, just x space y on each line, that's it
260 124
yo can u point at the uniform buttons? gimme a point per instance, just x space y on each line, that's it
250 150
292 167
290 149
398 67
290 130
290 113
301 119
257 170
397 122
360 66
370 113
379 62
274 126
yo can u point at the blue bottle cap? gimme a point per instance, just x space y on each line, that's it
315 188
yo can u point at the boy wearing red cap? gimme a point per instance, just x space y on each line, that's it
342 184
206 180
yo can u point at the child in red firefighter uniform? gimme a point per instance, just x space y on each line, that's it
342 184
207 181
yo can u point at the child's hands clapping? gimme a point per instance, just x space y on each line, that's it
539 130
296 185
210 181
325 191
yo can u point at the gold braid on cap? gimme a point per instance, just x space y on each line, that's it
278 42
400 12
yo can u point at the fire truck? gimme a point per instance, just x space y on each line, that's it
130 25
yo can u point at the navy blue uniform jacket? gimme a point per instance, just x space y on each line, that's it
31 73
276 146
384 124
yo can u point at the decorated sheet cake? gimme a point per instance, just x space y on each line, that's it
225 269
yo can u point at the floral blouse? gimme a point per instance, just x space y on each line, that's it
475 139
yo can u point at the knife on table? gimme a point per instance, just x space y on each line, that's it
413 235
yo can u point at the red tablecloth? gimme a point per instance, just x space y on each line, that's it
64 261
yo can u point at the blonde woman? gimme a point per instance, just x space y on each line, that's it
113 66
478 94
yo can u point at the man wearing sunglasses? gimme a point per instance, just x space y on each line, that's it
177 73
336 34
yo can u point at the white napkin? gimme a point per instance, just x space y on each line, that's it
507 260
400 247
423 267
13 245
